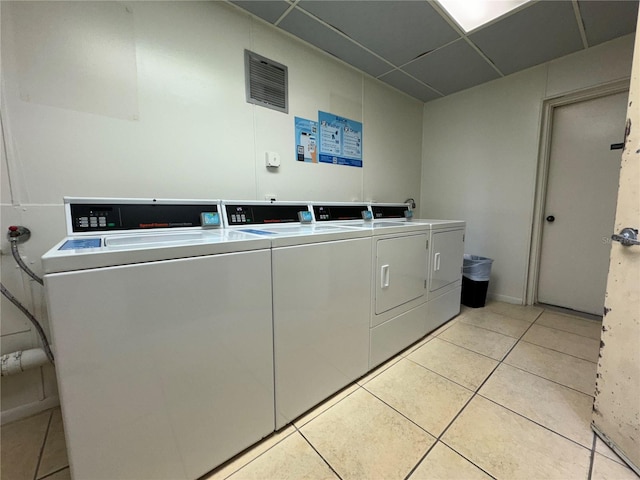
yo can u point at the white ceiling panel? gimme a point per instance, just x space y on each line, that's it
304 27
452 68
404 82
606 20
269 10
536 34
397 30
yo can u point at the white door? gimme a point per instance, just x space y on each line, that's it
446 258
401 271
616 409
581 203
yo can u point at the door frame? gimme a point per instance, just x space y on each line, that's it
542 173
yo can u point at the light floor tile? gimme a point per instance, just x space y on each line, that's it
558 408
361 437
64 474
496 322
508 446
528 313
480 340
442 463
292 458
565 342
378 370
570 371
243 459
417 345
445 326
326 405
424 397
603 449
605 469
568 323
458 364
54 454
21 443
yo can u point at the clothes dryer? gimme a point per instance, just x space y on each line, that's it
398 285
162 331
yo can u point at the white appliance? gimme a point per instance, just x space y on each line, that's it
321 281
399 265
162 331
446 247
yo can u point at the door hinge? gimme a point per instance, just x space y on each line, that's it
425 283
463 237
427 244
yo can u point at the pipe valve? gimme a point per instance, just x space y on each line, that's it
18 233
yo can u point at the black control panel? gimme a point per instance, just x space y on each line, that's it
387 211
325 213
240 214
107 217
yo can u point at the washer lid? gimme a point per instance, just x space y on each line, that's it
83 252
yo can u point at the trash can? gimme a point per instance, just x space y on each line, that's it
476 271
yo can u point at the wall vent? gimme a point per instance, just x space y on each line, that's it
266 82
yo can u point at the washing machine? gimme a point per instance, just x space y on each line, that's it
446 250
399 265
321 277
161 324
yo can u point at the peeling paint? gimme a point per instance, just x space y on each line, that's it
606 310
627 130
601 344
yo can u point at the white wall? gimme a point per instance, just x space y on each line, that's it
147 99
480 155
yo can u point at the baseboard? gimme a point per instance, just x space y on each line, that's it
24 411
505 298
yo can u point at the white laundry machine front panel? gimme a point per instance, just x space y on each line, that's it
401 271
447 249
165 368
321 303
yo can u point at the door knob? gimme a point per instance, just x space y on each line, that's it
627 237
551 219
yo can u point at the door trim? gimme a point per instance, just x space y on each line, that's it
542 172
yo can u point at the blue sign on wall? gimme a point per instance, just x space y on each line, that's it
340 140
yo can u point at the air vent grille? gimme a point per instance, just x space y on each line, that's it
266 82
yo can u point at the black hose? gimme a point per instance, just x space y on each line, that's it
18 259
43 336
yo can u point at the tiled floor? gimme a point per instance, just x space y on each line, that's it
499 392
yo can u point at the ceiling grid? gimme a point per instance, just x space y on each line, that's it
418 48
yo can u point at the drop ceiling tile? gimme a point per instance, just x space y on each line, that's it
398 30
452 68
409 86
606 20
306 28
266 9
534 35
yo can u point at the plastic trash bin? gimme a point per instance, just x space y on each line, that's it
476 271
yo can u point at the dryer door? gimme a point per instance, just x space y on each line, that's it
401 270
446 258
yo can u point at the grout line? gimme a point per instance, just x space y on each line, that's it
559 351
441 375
472 463
548 379
593 456
44 442
319 454
532 421
567 331
293 423
49 475
482 354
467 403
